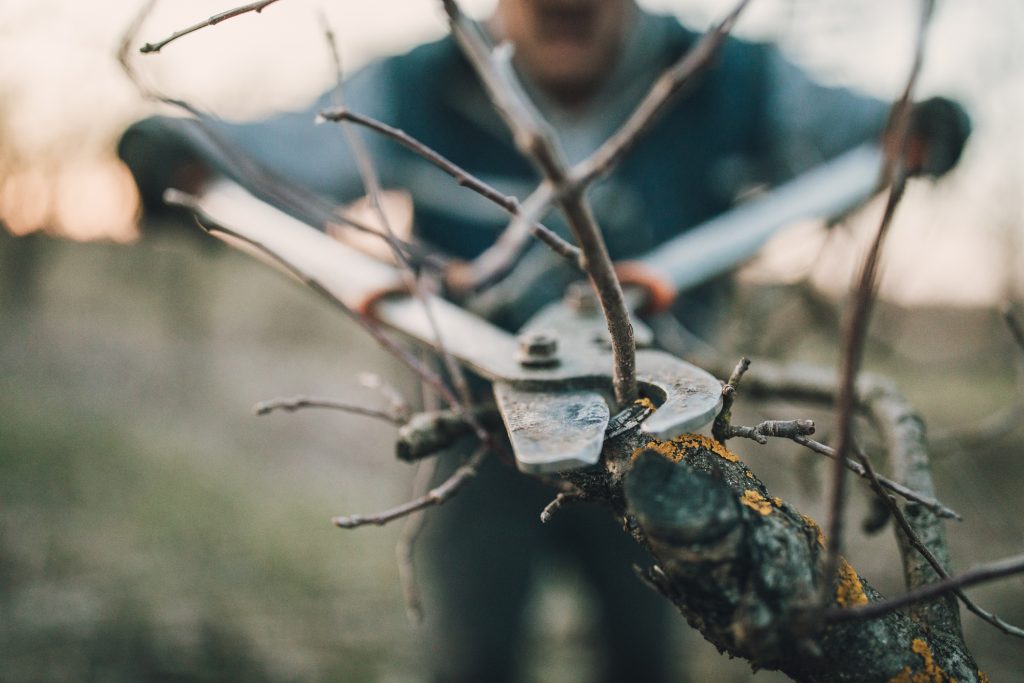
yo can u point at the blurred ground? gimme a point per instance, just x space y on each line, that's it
151 528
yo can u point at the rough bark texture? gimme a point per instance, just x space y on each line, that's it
744 569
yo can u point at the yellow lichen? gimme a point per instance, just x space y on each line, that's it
777 502
817 529
676 449
930 671
756 502
850 591
645 403
667 449
700 441
750 475
982 677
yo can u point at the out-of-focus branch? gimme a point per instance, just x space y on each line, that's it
894 486
534 139
313 208
972 577
856 331
493 262
211 21
1015 325
406 546
385 341
678 78
371 183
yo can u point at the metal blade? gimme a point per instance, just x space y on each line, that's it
689 397
553 432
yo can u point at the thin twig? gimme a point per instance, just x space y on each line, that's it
981 574
436 496
853 347
406 546
914 539
399 406
310 206
555 505
899 489
720 429
676 79
465 179
293 403
535 140
781 429
212 21
371 183
386 342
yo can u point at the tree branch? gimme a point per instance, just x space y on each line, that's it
293 403
677 79
436 496
981 574
535 140
856 331
501 256
212 21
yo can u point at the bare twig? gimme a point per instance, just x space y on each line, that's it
436 496
863 298
293 403
981 574
555 505
371 183
386 342
899 489
310 206
484 270
512 241
782 429
535 140
676 79
914 540
406 546
212 21
399 406
723 421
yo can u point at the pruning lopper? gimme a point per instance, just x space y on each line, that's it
551 381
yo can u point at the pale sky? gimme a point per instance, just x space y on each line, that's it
63 102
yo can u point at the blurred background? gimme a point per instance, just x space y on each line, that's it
152 528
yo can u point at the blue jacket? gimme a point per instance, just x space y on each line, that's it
753 118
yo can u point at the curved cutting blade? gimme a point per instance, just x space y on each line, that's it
689 397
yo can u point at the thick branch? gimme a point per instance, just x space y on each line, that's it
745 569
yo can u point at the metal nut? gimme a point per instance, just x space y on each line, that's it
538 349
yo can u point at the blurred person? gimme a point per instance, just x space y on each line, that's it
754 118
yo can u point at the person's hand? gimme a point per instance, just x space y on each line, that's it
938 130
